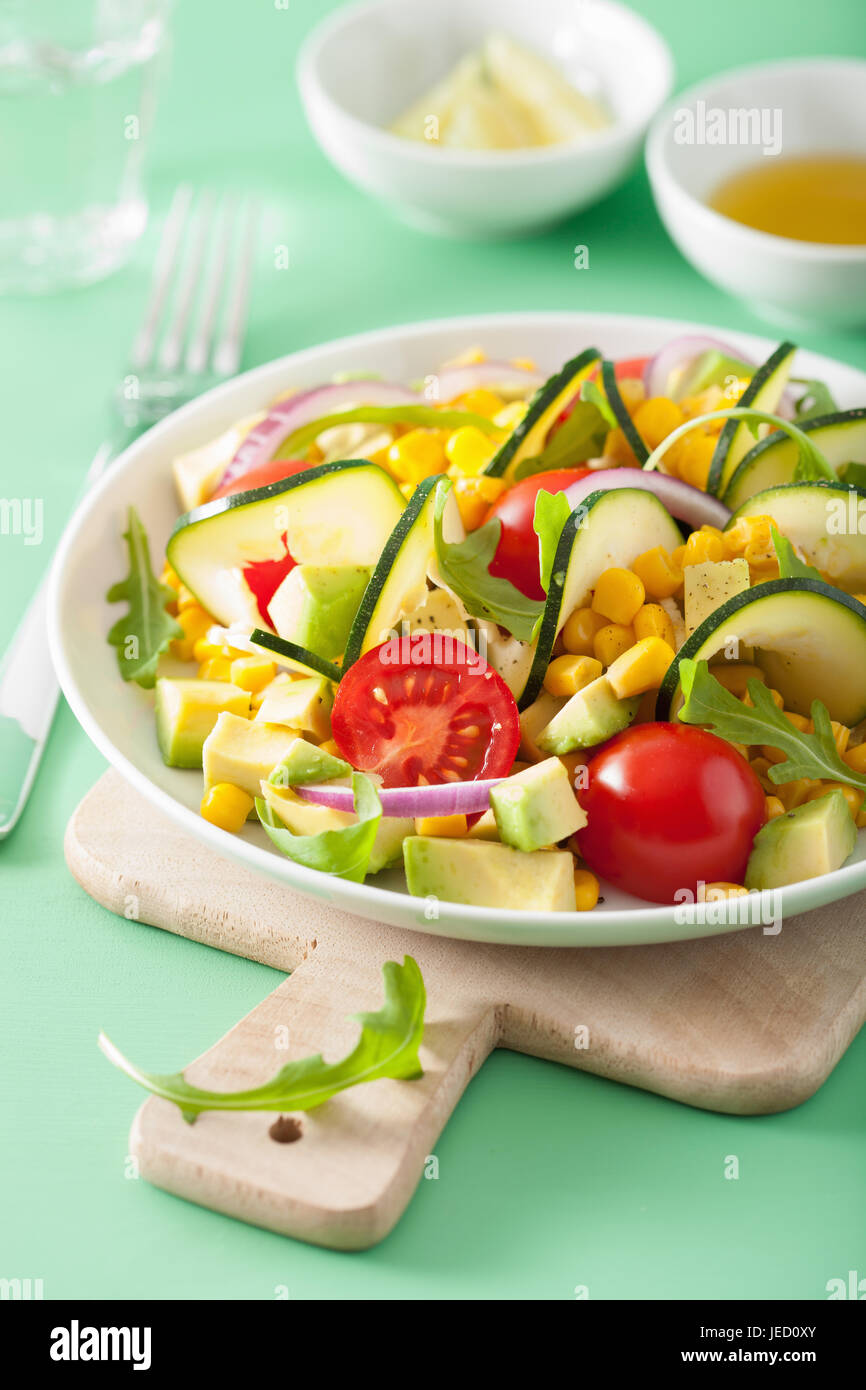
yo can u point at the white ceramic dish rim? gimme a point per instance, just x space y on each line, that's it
748 237
459 921
620 132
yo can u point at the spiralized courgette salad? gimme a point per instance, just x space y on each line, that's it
525 637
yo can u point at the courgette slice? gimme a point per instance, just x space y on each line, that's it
529 436
608 529
618 406
841 437
299 657
826 521
336 514
809 639
764 392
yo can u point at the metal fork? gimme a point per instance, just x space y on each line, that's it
204 261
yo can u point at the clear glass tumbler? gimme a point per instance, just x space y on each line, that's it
77 94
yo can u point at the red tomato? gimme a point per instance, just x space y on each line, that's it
271 472
516 555
265 576
668 805
424 708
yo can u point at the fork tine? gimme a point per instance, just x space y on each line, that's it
227 355
166 257
172 347
214 279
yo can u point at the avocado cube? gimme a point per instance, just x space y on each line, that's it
300 704
316 604
186 712
243 752
532 720
305 763
810 840
482 873
536 807
592 715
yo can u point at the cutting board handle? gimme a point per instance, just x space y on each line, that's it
346 1181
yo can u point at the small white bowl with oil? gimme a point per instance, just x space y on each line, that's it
754 140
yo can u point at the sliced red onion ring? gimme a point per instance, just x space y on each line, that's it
681 499
451 382
657 372
444 799
289 415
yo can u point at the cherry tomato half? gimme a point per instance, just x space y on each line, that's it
516 555
264 577
668 805
271 472
424 708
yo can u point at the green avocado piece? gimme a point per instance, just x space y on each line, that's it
243 752
305 763
536 807
299 704
589 717
484 873
186 712
315 606
709 369
810 840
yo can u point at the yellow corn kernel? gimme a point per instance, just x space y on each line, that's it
860 821
742 749
474 496
414 456
482 402
774 695
585 890
568 674
252 673
578 635
702 546
733 390
774 807
799 721
852 795
195 623
652 621
203 650
856 757
618 596
186 599
618 450
761 765
841 734
467 358
407 489
469 451
169 577
793 794
656 418
524 364
611 641
861 598
631 393
227 806
657 572
510 415
735 676
449 826
695 458
216 668
641 668
716 892
749 530
329 746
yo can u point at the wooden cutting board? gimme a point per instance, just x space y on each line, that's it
745 1023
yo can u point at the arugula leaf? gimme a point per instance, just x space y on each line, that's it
552 511
144 634
807 755
345 852
465 568
423 416
580 437
592 393
811 464
817 399
388 1047
790 564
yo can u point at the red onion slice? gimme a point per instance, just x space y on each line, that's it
444 799
657 372
681 499
451 382
289 415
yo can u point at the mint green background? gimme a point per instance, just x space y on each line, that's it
548 1178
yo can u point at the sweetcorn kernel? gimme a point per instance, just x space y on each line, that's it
735 676
169 577
852 795
703 546
449 826
578 634
586 888
656 418
841 734
856 757
468 450
568 674
227 806
252 673
716 892
510 415
774 807
641 668
482 402
658 573
216 668
652 621
415 455
695 459
631 392
619 594
618 450
194 622
611 641
474 496
793 794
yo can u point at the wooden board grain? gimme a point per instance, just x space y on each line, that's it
746 1023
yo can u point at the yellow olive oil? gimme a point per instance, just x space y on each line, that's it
815 198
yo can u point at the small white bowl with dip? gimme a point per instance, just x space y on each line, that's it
363 66
733 122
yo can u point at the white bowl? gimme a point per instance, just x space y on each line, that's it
808 106
119 718
364 65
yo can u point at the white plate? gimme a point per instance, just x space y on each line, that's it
119 718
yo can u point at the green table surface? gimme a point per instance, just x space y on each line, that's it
548 1179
